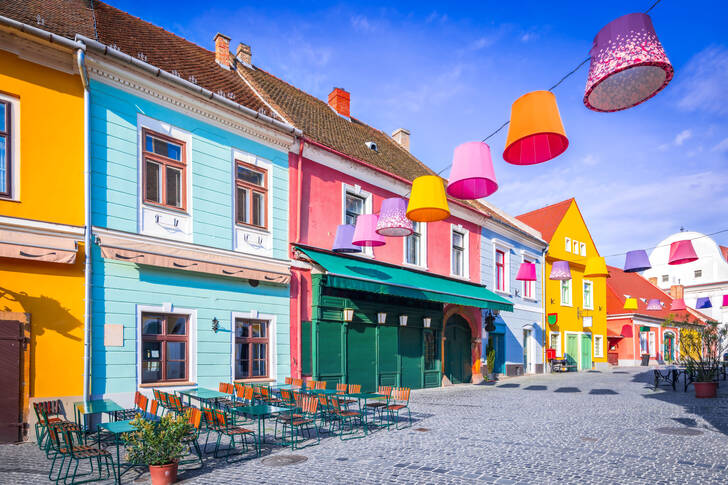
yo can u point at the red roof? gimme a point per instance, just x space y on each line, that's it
724 252
546 219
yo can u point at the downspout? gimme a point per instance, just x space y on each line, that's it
300 275
544 322
81 63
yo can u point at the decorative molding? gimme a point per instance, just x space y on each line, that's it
41 228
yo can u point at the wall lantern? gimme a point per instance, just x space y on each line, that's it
725 301
427 321
381 318
215 324
348 314
403 320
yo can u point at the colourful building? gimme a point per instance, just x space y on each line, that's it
576 309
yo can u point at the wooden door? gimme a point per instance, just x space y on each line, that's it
586 351
11 359
572 348
457 350
410 352
361 355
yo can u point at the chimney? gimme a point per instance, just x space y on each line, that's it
401 136
222 50
653 280
676 291
244 54
339 100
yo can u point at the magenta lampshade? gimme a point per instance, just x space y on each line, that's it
393 218
342 241
678 304
365 232
725 300
682 252
527 272
472 175
628 64
636 261
654 304
560 271
703 302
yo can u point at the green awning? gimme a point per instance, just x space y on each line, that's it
360 275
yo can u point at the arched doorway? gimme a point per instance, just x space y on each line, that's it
457 350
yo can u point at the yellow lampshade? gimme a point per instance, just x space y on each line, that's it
428 202
630 304
535 133
596 267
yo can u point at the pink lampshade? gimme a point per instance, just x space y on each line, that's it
654 304
365 232
682 252
472 175
527 272
393 220
678 304
560 271
725 300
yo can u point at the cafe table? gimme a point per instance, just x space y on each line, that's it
261 412
117 429
202 394
82 409
363 397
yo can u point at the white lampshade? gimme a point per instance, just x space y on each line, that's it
348 314
382 317
403 320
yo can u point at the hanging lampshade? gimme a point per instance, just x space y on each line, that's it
472 175
365 233
535 132
342 241
630 304
654 304
527 272
628 64
596 267
703 302
682 252
560 271
725 301
677 304
636 261
428 202
393 220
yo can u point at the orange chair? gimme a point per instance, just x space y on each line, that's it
399 400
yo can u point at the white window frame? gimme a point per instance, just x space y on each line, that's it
576 247
272 342
598 349
571 293
248 238
582 248
466 250
589 283
652 342
169 309
14 164
558 348
646 341
499 245
567 244
422 249
367 196
532 259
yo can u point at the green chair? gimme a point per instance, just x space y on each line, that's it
225 427
344 417
303 422
399 401
70 449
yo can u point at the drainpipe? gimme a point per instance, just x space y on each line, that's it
300 187
301 281
544 323
81 63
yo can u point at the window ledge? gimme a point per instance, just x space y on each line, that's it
253 380
262 230
164 208
533 300
565 305
9 199
414 266
148 385
460 277
504 293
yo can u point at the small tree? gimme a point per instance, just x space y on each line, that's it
157 443
490 355
702 348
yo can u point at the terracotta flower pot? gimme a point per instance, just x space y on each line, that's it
705 389
163 474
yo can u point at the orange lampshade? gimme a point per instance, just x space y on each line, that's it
535 133
428 202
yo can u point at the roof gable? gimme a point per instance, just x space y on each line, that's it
547 219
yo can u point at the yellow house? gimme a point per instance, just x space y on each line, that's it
41 226
576 309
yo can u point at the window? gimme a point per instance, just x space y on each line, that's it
500 270
354 208
566 293
582 249
588 295
598 346
412 246
644 345
251 195
164 347
164 171
698 273
6 175
652 344
576 247
458 253
567 244
665 278
555 342
529 287
430 350
251 348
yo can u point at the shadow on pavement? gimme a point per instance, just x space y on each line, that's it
509 386
603 392
535 388
568 389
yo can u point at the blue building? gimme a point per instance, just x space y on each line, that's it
519 335
189 200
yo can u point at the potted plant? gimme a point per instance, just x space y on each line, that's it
701 348
159 445
490 359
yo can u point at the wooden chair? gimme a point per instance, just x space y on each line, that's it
297 383
47 412
380 404
140 407
224 427
321 385
68 446
194 416
268 397
342 416
304 421
345 389
399 400
289 380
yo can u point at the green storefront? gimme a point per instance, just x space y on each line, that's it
358 333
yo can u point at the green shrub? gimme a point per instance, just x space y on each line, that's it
157 443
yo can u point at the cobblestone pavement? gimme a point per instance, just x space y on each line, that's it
592 427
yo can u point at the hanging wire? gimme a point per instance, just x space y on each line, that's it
668 245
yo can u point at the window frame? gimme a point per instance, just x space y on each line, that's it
8 134
561 293
576 247
529 287
163 338
465 250
567 244
590 284
558 339
646 348
164 162
252 188
421 247
598 350
250 341
500 270
356 190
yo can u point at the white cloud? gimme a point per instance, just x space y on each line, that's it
361 23
431 91
722 146
681 137
590 160
704 80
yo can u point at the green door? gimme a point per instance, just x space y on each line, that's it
410 351
361 352
388 350
457 350
586 361
572 348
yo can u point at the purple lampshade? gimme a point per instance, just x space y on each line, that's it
342 241
725 300
636 261
560 271
393 220
677 304
527 272
628 64
365 232
654 304
472 175
703 302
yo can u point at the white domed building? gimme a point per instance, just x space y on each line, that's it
705 278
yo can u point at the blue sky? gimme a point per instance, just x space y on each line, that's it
450 73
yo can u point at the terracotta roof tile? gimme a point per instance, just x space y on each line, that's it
546 219
63 17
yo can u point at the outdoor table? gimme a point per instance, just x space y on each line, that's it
670 374
99 406
327 392
118 428
202 395
363 397
260 412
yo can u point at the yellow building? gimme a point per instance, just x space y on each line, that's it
576 309
41 226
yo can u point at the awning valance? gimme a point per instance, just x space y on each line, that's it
352 273
37 247
187 259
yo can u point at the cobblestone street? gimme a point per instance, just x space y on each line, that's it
594 427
